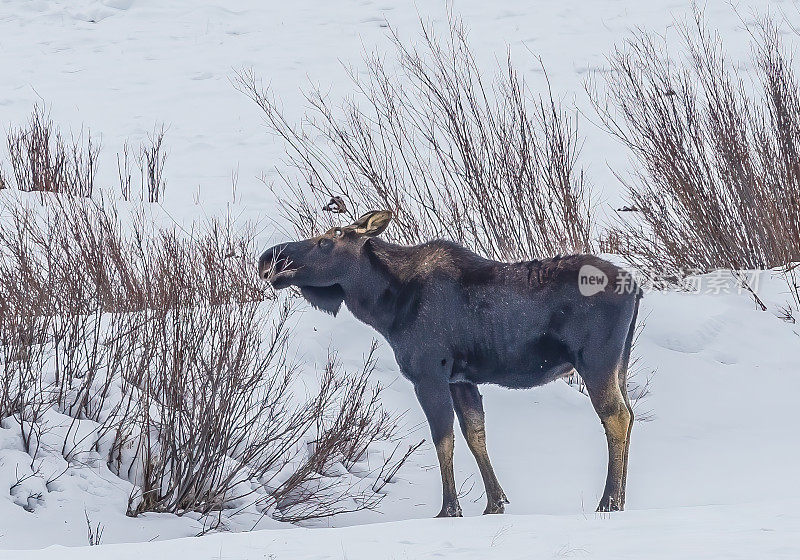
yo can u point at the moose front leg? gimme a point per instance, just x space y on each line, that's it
437 404
468 404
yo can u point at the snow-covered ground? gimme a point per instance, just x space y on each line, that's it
712 475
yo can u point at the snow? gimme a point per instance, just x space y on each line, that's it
712 475
716 532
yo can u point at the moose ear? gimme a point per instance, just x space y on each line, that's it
372 223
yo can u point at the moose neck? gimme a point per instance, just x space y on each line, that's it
384 293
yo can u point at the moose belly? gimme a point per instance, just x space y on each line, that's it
535 363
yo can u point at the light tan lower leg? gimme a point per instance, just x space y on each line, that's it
469 409
617 420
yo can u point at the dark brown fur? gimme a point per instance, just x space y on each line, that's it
456 320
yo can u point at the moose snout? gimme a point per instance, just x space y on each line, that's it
273 260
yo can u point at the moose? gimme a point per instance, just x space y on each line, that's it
456 320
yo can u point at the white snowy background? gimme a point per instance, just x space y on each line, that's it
712 475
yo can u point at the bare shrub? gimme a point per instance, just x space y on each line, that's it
214 264
209 406
347 418
22 389
718 180
451 154
792 278
43 160
152 158
164 342
124 172
94 533
72 255
66 255
23 335
214 420
159 339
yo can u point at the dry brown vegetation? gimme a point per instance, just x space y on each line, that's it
42 159
169 344
718 182
450 152
73 254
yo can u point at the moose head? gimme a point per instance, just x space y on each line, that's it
325 265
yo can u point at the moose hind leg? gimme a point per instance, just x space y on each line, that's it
468 404
437 404
624 389
617 420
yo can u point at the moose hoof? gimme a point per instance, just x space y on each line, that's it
607 504
450 510
496 506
